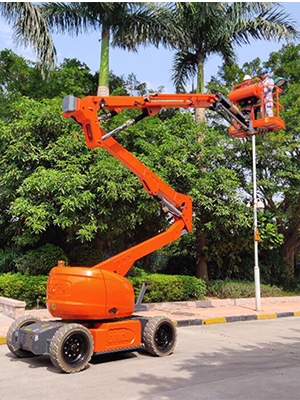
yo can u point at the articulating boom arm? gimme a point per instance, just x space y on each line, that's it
178 206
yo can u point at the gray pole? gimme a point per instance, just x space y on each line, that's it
256 267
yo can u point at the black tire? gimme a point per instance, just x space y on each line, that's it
16 325
160 336
71 348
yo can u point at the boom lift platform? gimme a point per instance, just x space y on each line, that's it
95 306
249 98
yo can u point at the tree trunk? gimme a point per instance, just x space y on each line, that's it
103 85
98 241
289 263
290 249
201 264
200 112
146 263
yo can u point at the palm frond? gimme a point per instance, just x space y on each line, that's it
263 21
185 68
30 29
71 18
143 24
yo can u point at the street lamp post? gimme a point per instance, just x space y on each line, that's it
258 205
256 234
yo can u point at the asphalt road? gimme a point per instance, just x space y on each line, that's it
242 360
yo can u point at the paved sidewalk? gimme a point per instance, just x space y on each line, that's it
199 312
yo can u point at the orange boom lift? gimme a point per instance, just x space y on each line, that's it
96 305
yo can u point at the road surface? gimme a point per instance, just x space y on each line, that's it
242 360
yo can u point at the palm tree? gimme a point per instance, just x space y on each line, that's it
30 29
215 28
122 24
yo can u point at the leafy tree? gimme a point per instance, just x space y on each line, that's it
117 85
277 165
54 190
122 24
70 77
197 168
40 136
215 28
135 88
30 28
15 74
280 166
20 77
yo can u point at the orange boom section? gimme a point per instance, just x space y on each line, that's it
241 92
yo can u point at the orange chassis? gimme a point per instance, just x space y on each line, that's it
96 304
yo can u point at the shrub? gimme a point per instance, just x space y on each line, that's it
161 288
41 260
31 289
235 290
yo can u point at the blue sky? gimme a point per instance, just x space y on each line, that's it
150 65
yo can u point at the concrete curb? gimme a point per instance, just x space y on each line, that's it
235 318
219 320
208 303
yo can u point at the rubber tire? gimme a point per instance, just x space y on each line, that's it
61 339
160 336
16 325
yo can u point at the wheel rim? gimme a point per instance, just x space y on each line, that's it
75 349
164 337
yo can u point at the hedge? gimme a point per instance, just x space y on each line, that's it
162 288
32 289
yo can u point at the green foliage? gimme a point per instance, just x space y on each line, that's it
271 239
8 256
162 288
278 180
85 255
41 260
20 77
31 289
235 290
